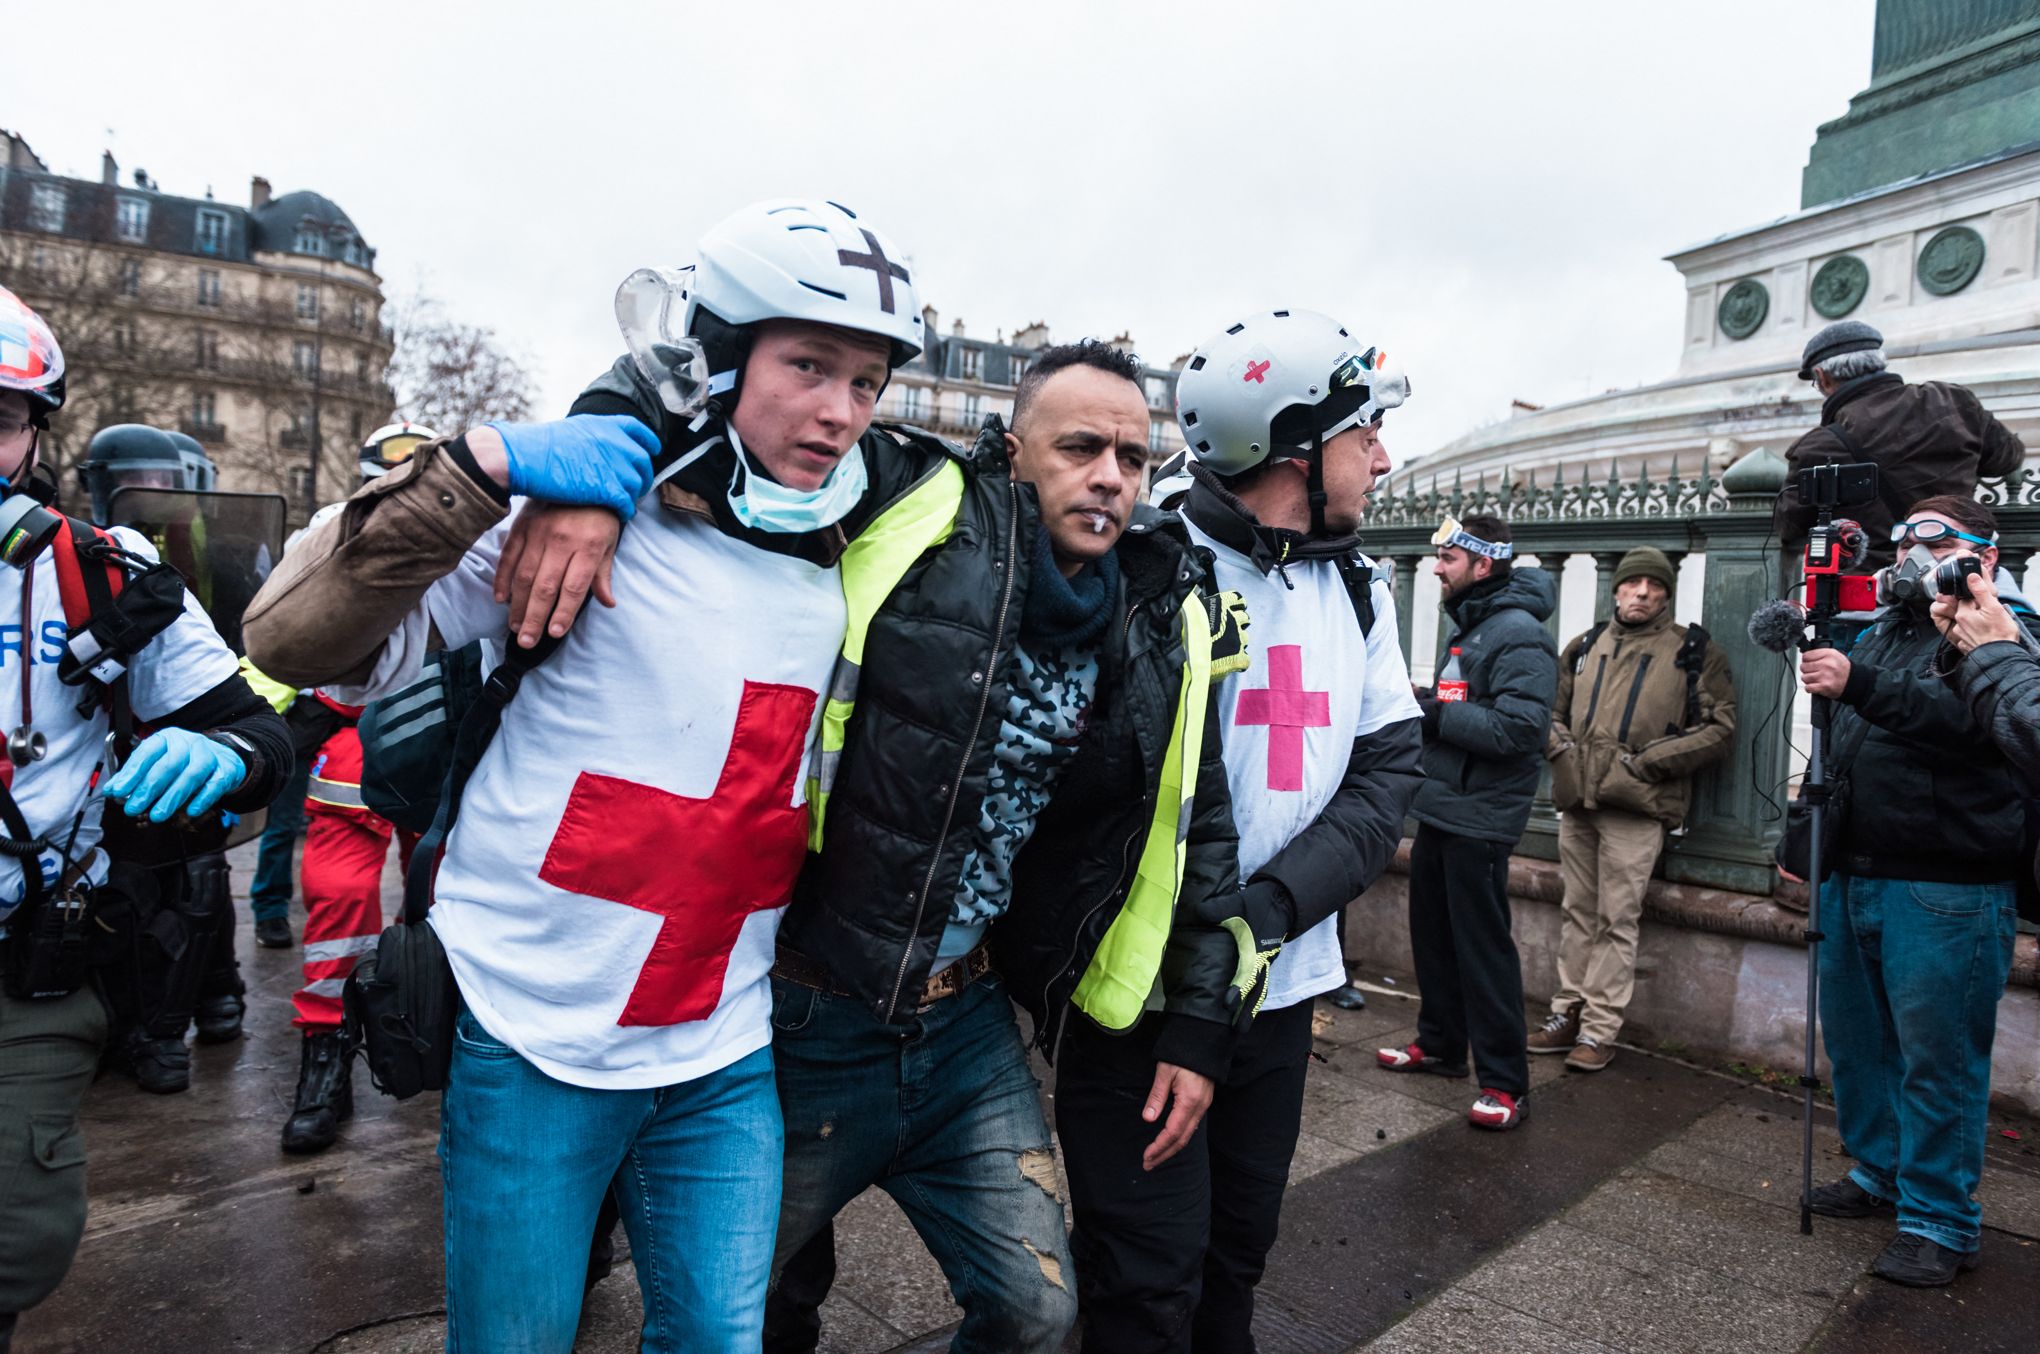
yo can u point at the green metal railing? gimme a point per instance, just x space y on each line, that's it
1737 806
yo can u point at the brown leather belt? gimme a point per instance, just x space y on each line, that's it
797 968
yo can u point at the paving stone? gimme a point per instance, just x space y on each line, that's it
1354 1116
1460 1320
883 1267
1639 1301
1735 1237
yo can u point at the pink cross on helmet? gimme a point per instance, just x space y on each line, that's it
30 360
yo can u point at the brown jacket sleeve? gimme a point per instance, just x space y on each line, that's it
1560 733
325 613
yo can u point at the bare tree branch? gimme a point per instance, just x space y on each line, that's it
452 376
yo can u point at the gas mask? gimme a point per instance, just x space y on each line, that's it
1909 582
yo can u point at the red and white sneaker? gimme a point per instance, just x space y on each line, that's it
1414 1059
1497 1110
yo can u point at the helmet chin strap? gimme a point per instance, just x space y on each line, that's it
1315 485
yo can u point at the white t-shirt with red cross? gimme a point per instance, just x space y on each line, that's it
611 892
1290 720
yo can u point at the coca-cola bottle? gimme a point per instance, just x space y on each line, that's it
1452 682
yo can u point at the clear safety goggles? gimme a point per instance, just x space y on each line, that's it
1930 530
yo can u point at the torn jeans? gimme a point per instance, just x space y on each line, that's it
942 1113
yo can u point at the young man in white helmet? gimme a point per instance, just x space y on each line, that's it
1322 750
609 896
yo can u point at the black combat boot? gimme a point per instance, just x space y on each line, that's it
273 933
325 1093
160 1066
219 1018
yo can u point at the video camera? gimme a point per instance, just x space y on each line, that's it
1836 545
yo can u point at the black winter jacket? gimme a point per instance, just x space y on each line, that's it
1350 844
1482 764
1074 875
2001 683
1925 439
918 753
1931 795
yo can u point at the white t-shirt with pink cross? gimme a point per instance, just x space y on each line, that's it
1290 720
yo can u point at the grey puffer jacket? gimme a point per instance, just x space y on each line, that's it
1483 756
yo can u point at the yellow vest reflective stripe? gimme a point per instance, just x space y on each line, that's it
872 566
1123 972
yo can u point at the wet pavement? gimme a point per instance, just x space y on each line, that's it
1653 1206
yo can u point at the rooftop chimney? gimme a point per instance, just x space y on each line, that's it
956 329
109 172
258 191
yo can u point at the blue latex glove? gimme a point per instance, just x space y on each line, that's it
603 460
173 770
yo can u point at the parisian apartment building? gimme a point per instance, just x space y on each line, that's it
256 328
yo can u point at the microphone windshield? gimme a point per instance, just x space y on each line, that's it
1778 625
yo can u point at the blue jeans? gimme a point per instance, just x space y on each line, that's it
270 894
526 1161
942 1113
1910 979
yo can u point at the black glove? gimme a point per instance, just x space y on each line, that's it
1269 912
1430 705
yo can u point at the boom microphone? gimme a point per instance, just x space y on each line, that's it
1778 625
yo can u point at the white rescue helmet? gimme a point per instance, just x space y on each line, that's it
391 445
785 259
1280 382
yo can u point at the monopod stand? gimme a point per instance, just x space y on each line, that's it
1816 799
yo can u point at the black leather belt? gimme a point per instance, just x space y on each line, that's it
797 968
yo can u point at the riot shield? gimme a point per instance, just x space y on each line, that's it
224 544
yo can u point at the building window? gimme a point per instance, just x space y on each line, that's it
354 427
46 208
208 350
301 483
307 301
973 410
355 254
130 277
127 339
1158 391
973 363
361 367
357 314
209 287
910 402
204 410
131 219
212 231
39 260
309 241
1019 368
1156 438
304 358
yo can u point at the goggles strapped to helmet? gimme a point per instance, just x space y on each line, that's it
1931 530
30 360
650 308
1370 390
1449 532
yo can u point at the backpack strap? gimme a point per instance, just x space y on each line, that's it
1586 642
1359 580
477 728
88 581
1691 658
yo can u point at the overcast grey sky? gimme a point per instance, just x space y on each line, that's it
1484 190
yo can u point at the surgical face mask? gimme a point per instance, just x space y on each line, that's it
1909 582
766 505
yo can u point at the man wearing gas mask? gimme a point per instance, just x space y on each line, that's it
1919 906
87 614
1930 438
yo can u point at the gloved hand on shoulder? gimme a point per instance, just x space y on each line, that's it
600 460
176 770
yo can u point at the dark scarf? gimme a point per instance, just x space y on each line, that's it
1066 612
